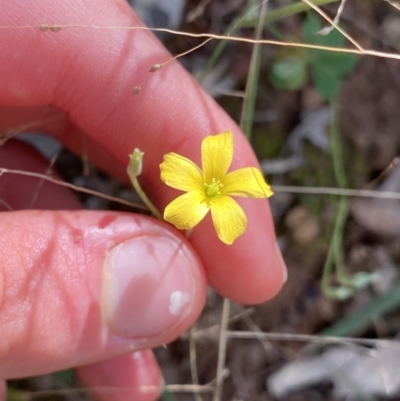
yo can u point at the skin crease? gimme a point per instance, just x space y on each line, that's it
76 85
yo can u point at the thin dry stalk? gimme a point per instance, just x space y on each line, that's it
336 20
394 4
315 339
189 388
158 66
256 330
193 360
222 350
11 132
334 24
71 186
361 193
41 182
359 51
394 163
215 328
198 11
339 12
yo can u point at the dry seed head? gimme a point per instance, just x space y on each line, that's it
155 67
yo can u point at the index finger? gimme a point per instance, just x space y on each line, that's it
89 74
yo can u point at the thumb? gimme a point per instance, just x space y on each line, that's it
77 287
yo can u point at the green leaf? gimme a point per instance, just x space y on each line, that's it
327 67
312 26
290 73
363 318
326 81
363 279
339 63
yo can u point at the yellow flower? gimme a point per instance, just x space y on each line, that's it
212 188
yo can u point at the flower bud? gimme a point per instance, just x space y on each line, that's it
135 163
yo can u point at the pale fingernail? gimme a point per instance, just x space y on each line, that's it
148 286
283 264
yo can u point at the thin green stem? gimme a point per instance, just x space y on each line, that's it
337 243
334 257
334 260
145 199
222 43
286 12
327 271
340 175
246 120
336 147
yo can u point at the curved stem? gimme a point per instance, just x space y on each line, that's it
145 199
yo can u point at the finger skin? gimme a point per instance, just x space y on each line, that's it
129 377
89 74
51 275
51 280
136 376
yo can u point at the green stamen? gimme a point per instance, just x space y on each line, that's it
213 189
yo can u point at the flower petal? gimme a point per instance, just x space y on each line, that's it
181 173
247 182
216 155
186 210
229 219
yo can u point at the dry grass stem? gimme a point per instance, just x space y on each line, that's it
184 53
394 4
189 388
193 360
333 24
395 162
361 193
197 11
41 182
11 132
339 12
222 350
256 330
213 330
359 50
73 187
314 339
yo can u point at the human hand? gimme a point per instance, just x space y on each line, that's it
83 288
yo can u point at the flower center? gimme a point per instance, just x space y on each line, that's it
213 188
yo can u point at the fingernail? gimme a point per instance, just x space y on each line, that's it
283 264
148 286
